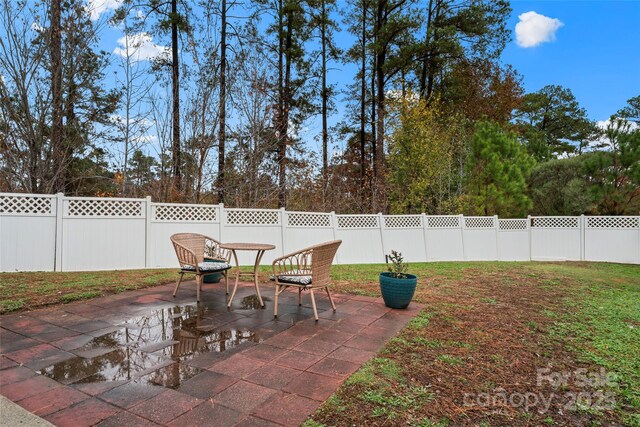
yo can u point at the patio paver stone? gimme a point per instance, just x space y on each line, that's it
144 358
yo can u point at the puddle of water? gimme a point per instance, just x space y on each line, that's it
150 349
252 302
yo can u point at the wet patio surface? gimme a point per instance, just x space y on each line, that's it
144 358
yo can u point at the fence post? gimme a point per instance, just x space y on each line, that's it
496 225
148 261
582 237
424 236
381 225
283 221
464 253
57 265
529 234
334 223
222 217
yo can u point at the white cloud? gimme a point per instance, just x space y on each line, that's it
534 29
139 47
98 7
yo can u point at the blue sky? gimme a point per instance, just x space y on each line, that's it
595 53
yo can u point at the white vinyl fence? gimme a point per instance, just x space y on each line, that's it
59 233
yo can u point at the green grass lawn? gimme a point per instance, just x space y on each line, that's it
485 331
36 289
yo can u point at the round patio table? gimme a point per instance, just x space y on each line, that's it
261 248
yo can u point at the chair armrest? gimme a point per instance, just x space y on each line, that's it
293 264
186 256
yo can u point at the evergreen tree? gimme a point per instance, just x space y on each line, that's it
614 174
552 123
560 187
497 169
458 30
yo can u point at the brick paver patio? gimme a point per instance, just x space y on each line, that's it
144 358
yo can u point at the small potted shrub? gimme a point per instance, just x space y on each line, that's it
396 285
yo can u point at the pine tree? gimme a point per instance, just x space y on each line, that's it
497 170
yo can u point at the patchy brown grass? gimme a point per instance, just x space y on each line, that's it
485 331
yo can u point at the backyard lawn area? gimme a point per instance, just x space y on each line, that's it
496 344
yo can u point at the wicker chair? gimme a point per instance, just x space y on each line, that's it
307 269
191 250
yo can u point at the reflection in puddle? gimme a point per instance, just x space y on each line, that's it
150 349
252 302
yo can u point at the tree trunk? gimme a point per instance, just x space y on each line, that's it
432 69
325 135
425 61
374 139
378 197
379 149
56 93
284 76
127 101
280 113
175 81
287 109
223 102
363 77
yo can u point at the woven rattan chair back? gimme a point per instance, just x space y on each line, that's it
193 243
321 259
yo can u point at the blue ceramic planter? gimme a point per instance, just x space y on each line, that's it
212 278
397 293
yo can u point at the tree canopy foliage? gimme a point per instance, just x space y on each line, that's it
230 101
497 170
552 123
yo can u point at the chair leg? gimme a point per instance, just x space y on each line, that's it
175 291
333 305
313 303
198 286
275 302
299 296
226 280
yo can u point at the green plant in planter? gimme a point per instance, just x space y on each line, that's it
396 285
396 265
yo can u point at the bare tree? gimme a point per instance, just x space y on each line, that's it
55 46
133 124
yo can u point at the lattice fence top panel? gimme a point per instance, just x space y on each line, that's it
478 221
443 221
613 222
403 221
187 213
555 222
512 224
358 221
303 219
114 208
252 217
26 205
